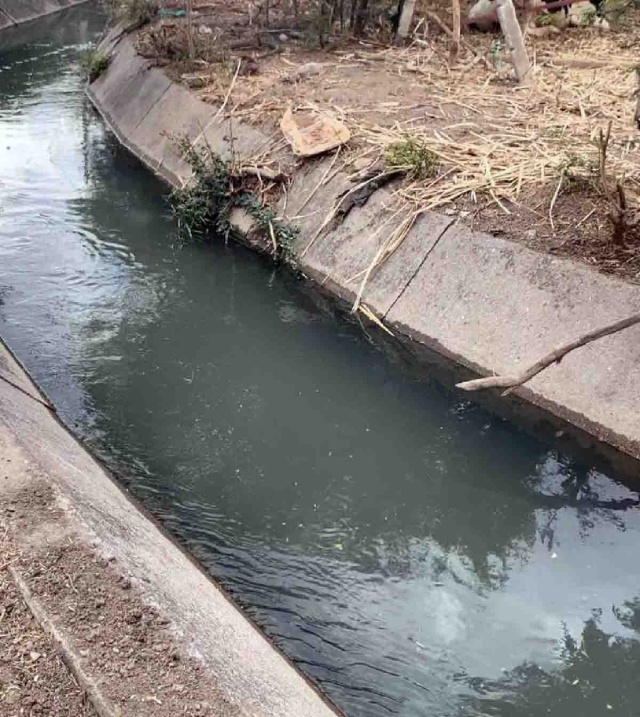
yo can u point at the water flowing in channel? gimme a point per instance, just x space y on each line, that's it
411 553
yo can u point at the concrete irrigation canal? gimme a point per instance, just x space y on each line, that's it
404 550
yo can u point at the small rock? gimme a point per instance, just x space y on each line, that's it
530 234
99 603
362 163
160 647
205 30
283 38
34 656
602 24
309 69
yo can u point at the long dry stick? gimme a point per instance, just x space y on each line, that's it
555 356
218 113
553 201
190 28
455 45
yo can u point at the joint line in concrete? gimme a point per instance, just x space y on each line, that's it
144 116
420 265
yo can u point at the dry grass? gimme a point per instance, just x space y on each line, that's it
497 147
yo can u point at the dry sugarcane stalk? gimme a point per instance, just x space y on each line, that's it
455 45
637 114
555 356
447 31
190 28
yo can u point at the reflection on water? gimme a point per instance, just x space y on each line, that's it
413 554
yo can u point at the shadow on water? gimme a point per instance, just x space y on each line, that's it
412 552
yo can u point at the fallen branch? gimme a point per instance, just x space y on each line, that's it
555 356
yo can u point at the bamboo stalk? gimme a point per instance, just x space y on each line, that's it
190 29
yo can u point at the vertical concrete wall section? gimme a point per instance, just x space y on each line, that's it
491 305
15 12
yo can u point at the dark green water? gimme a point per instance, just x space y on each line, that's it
411 553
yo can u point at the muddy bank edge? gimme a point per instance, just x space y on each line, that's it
15 12
491 305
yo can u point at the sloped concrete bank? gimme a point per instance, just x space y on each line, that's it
238 672
490 305
16 12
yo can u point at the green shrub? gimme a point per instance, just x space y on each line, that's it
411 155
94 63
203 207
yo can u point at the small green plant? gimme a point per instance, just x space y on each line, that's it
545 19
587 17
411 155
578 172
204 206
94 63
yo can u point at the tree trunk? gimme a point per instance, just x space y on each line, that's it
362 17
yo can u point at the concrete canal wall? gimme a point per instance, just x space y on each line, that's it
491 305
15 12
91 513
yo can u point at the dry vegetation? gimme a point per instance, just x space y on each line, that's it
522 162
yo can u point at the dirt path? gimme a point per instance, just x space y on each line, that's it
33 678
119 643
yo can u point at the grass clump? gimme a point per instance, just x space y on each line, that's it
203 207
94 63
578 172
131 12
412 156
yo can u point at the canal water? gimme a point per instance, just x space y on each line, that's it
411 553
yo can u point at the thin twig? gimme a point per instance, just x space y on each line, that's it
555 356
553 201
218 113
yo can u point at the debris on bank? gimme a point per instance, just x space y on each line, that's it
522 162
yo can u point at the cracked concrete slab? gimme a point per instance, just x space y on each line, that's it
498 307
141 89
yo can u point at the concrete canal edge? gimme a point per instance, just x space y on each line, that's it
490 305
16 12
91 512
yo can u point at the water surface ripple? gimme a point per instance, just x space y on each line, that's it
411 553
